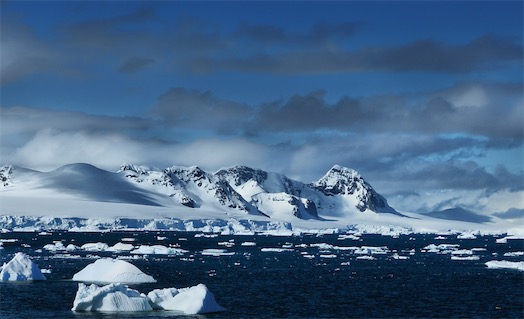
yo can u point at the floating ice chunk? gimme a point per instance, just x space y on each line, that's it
108 270
514 254
20 268
158 250
248 243
399 257
504 240
112 297
440 249
121 247
366 257
193 300
328 256
275 250
473 257
495 264
467 236
59 246
462 252
349 236
216 252
95 247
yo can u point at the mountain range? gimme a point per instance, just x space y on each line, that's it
341 192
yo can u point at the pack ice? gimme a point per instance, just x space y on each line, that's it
20 268
109 270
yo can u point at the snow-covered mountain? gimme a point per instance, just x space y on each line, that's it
236 190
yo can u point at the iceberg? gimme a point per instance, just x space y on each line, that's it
193 300
108 270
20 268
111 298
497 264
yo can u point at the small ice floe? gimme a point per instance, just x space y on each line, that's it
226 244
440 238
45 271
193 300
275 250
328 256
216 252
120 247
504 240
348 236
248 243
345 263
308 256
128 239
370 250
366 258
95 247
158 250
20 268
497 264
110 298
59 246
466 235
399 257
473 257
160 238
440 249
514 254
108 270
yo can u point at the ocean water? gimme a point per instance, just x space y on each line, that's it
297 280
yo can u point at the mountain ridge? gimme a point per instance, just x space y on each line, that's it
240 189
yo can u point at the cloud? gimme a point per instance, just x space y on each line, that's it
127 42
512 213
495 112
23 120
201 110
135 64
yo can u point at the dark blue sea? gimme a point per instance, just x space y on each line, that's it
300 279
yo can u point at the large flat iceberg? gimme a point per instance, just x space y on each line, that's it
111 298
193 300
108 270
20 268
495 264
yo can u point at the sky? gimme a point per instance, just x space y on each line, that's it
424 99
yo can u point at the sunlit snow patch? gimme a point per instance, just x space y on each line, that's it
108 270
111 298
20 268
193 300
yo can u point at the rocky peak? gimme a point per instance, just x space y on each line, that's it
240 174
5 175
341 180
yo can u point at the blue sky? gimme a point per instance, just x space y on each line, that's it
420 97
